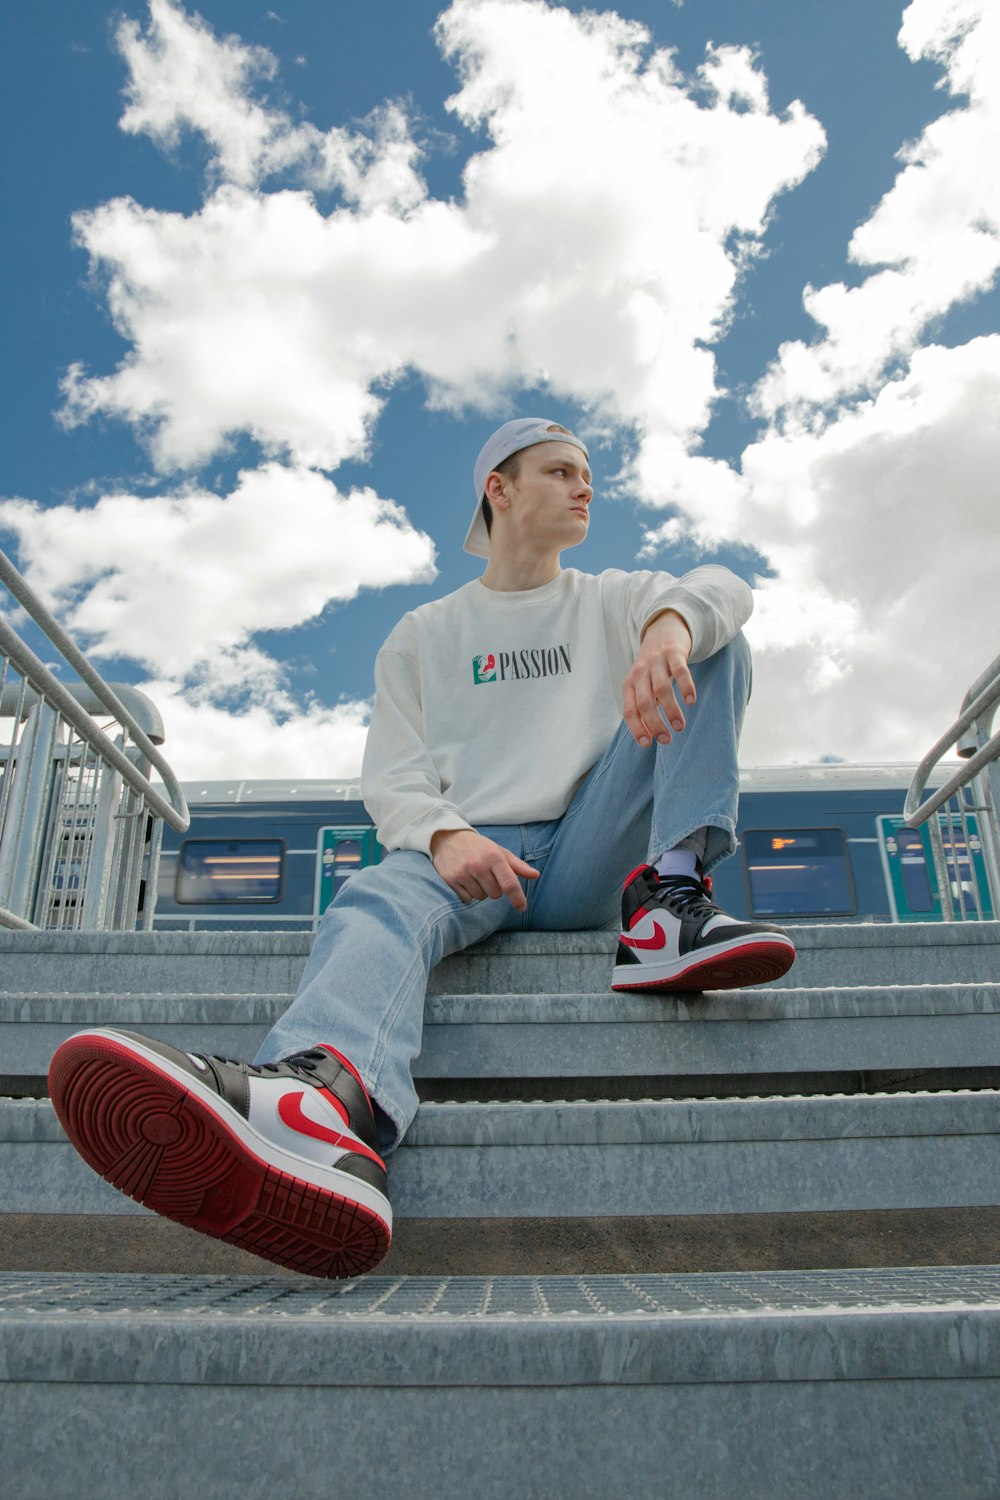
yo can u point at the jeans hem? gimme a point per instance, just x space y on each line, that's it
713 856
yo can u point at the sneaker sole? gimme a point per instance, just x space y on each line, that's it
758 962
157 1139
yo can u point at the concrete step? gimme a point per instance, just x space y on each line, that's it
577 1035
261 963
769 1386
138 1243
654 1157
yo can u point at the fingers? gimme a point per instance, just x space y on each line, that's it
507 884
683 681
659 681
477 869
632 714
491 880
647 691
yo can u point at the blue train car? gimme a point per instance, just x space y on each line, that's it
268 855
817 843
828 843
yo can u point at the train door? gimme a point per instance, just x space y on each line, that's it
340 852
909 871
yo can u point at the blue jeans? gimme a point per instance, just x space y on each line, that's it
365 981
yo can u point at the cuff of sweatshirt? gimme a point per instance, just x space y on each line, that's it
688 608
662 607
418 834
708 632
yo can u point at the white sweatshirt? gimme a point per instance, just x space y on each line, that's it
491 707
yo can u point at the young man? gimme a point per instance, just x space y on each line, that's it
536 735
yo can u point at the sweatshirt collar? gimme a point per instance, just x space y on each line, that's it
511 598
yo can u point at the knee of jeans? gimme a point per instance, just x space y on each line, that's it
740 648
737 650
734 658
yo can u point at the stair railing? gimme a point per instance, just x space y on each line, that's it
80 820
970 818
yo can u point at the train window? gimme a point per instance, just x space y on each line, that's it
346 859
798 872
913 869
215 870
961 849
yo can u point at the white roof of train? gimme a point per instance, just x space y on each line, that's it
271 791
835 776
797 778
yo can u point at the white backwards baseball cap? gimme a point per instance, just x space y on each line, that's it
523 432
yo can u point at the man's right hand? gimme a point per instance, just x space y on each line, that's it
477 869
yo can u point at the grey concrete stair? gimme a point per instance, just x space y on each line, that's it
575 1035
817 1385
593 1155
237 963
715 1156
789 1386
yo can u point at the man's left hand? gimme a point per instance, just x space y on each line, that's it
657 677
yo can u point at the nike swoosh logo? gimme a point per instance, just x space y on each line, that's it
659 941
291 1113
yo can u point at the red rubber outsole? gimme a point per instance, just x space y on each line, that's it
159 1143
758 963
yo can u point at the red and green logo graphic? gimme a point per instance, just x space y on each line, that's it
484 668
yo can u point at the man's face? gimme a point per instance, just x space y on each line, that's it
550 498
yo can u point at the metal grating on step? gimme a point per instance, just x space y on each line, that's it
27 1296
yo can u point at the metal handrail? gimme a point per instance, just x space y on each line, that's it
982 766
80 820
33 606
53 691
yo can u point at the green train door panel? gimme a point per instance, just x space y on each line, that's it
340 852
909 870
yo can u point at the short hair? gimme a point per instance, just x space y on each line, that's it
511 468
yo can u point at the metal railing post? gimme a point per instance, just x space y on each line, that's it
104 832
972 728
31 793
75 803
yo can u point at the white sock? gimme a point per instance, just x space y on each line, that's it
679 861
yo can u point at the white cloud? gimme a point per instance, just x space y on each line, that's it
873 489
205 742
181 77
884 529
933 241
182 582
598 246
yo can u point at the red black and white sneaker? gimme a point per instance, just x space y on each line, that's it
278 1159
674 937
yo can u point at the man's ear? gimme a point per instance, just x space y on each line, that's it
496 492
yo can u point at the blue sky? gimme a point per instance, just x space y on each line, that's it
650 262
